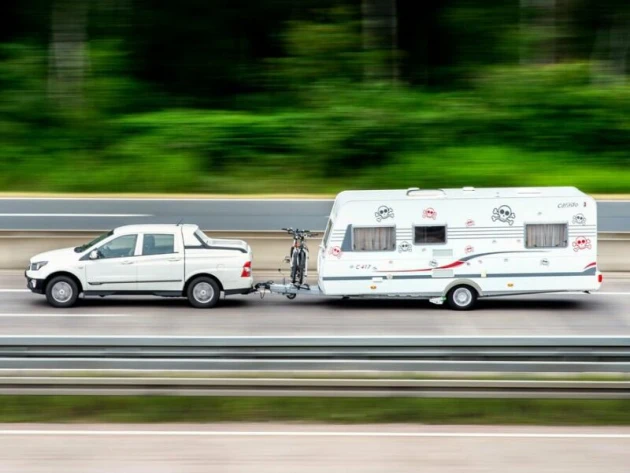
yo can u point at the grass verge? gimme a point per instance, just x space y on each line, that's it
124 409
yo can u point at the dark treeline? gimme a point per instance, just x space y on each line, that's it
376 90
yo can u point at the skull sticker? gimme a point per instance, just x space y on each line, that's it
384 212
470 222
579 219
429 213
581 243
469 249
335 251
503 214
404 247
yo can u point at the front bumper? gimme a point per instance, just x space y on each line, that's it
33 284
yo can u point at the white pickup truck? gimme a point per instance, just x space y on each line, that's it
161 260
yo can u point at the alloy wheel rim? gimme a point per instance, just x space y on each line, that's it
203 292
62 292
462 296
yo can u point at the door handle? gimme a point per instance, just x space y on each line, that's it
127 262
174 259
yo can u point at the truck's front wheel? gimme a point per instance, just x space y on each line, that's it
62 291
203 293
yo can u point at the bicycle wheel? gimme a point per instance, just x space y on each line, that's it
295 268
301 266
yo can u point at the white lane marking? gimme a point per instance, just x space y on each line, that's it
78 215
15 290
256 433
228 361
331 337
62 315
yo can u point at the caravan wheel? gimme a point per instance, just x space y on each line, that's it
461 297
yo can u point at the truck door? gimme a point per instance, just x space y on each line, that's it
161 262
115 267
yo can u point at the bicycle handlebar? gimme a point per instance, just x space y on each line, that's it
298 232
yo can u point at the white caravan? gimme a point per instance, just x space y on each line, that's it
460 244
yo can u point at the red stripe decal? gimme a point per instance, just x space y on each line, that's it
594 263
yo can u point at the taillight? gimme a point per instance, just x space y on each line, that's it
600 278
247 270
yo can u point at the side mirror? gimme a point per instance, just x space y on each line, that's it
93 254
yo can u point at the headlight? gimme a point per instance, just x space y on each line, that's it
39 265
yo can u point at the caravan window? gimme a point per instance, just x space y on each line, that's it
546 235
374 239
429 235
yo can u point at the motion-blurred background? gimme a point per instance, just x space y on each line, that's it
237 96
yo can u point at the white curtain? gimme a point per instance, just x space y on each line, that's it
374 239
548 235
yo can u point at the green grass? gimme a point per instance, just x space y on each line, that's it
122 409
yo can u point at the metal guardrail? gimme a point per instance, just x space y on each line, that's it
314 387
532 354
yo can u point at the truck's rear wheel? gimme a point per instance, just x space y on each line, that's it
203 293
62 291
461 297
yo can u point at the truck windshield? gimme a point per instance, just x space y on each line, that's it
82 248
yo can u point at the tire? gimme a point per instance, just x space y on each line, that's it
461 297
62 291
203 293
297 268
291 296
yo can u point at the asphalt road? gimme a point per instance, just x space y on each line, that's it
278 448
217 215
603 313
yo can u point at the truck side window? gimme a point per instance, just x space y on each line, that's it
429 235
546 235
373 239
158 244
121 247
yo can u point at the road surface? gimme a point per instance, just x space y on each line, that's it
218 215
603 313
279 448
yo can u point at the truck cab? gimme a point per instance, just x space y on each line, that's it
160 260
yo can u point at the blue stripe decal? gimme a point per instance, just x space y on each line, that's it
588 272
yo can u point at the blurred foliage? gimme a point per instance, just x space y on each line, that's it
270 96
129 409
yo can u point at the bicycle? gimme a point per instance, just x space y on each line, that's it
298 257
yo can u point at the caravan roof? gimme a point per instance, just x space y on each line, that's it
461 193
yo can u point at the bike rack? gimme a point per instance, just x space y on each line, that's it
286 289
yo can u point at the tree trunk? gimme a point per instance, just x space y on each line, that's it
380 39
538 25
67 61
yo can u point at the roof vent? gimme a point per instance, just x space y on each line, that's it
426 193
468 189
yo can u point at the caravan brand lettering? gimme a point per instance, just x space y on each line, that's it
568 205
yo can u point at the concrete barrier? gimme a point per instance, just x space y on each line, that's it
269 248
